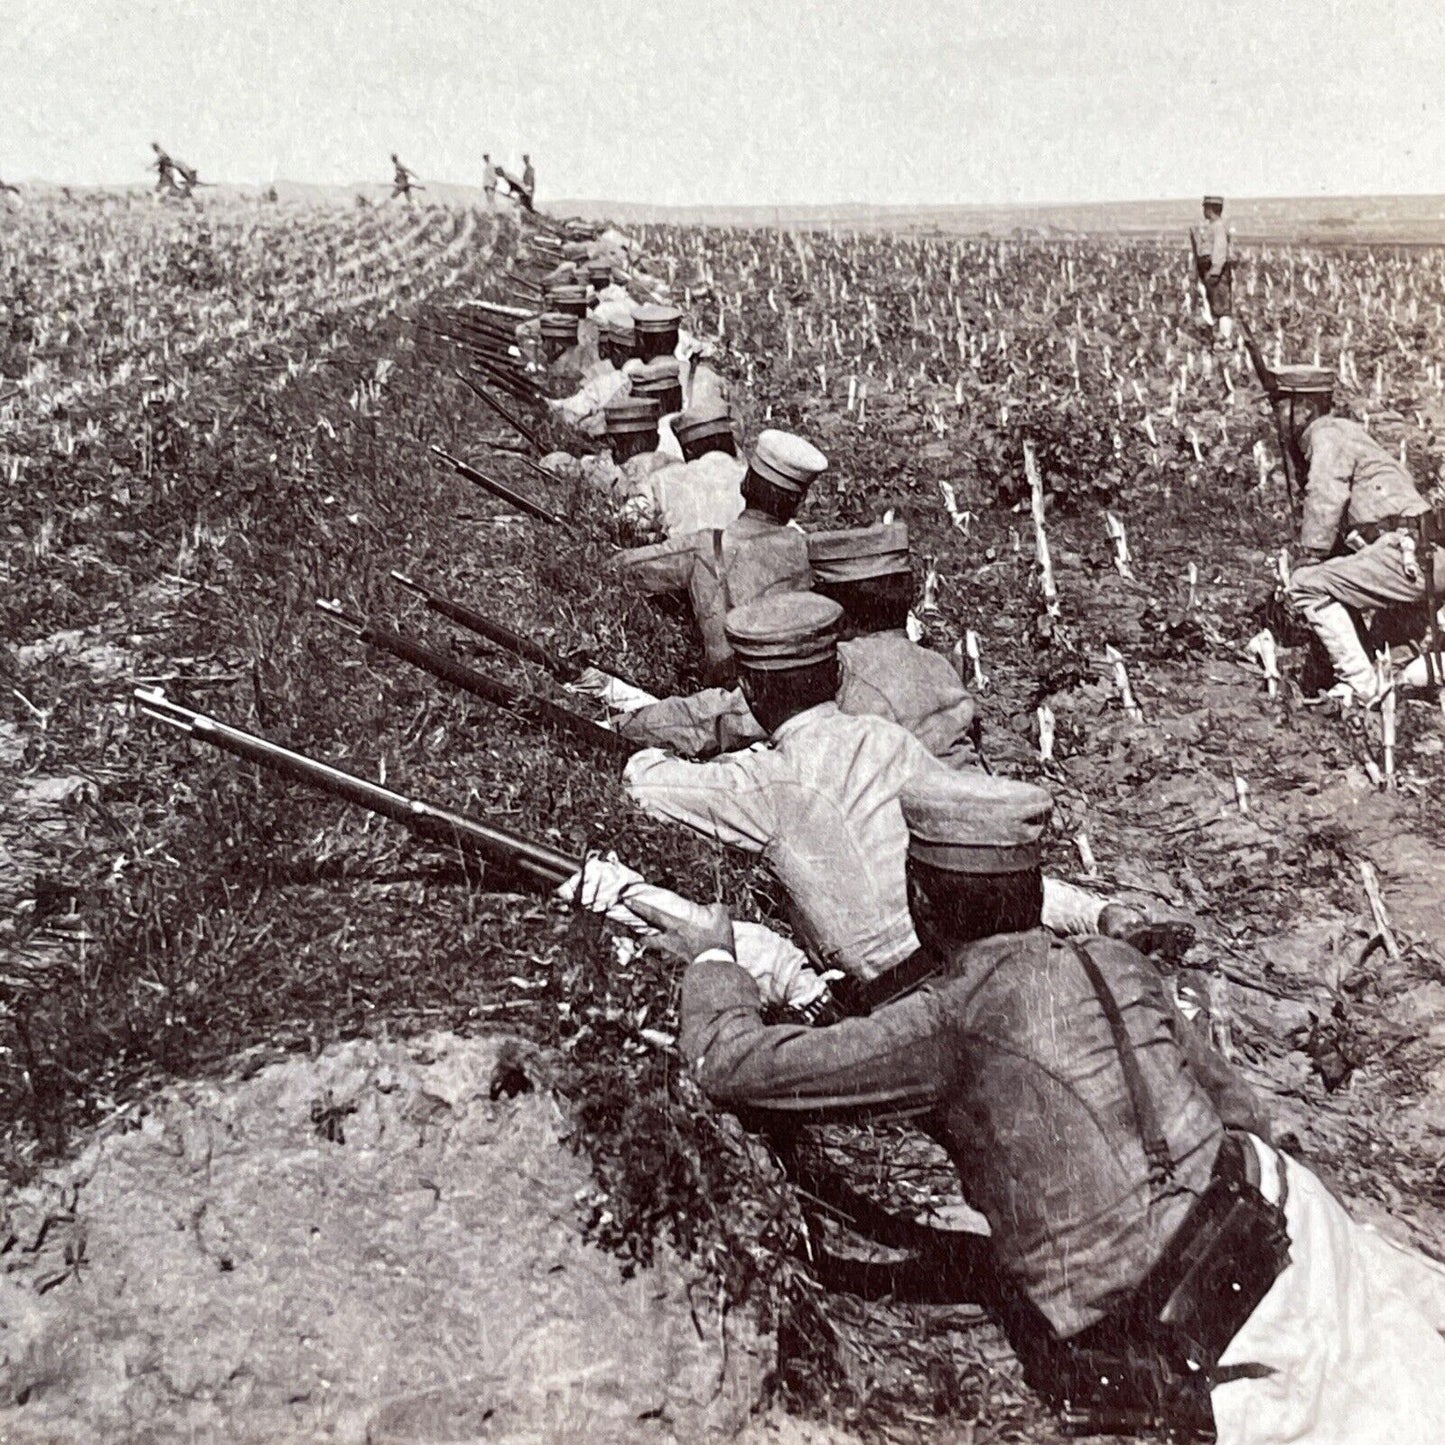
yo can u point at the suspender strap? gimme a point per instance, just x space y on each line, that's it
1146 1120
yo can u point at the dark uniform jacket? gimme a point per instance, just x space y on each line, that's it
1010 1064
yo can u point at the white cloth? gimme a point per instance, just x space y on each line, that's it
667 442
779 968
1351 1329
603 884
700 496
1069 909
618 695
583 409
600 471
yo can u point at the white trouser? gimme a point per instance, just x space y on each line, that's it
1350 1330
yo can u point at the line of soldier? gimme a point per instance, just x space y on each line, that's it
1372 544
1159 1263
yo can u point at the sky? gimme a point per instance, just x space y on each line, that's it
916 102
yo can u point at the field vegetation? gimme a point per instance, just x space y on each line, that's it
211 418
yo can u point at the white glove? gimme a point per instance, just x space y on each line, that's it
779 968
604 885
618 695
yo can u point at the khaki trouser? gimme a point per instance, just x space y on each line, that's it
1375 576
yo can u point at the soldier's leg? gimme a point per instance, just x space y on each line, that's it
1380 575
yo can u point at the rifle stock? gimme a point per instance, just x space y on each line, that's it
542 865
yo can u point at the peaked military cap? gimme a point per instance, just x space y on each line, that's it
973 822
703 419
784 631
856 553
787 461
559 324
1304 381
657 318
631 414
659 378
1214 201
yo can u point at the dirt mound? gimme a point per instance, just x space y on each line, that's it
358 1247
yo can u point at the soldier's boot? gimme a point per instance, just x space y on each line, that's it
1357 680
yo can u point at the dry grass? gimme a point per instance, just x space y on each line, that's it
186 909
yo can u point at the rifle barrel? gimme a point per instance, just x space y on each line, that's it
499 489
500 410
437 825
514 642
493 690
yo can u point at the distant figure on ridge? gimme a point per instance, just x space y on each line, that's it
1210 243
401 181
489 181
165 169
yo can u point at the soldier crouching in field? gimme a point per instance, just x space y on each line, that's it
1369 537
756 555
1157 1263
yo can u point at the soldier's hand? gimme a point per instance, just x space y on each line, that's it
688 932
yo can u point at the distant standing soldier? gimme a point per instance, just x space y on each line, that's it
529 180
1210 242
401 181
165 169
489 181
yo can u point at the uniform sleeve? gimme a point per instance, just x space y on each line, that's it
893 1061
728 799
662 567
1327 493
707 723
948 735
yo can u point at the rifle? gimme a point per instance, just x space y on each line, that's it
1270 382
498 489
485 351
450 669
562 668
542 865
522 457
503 373
500 410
